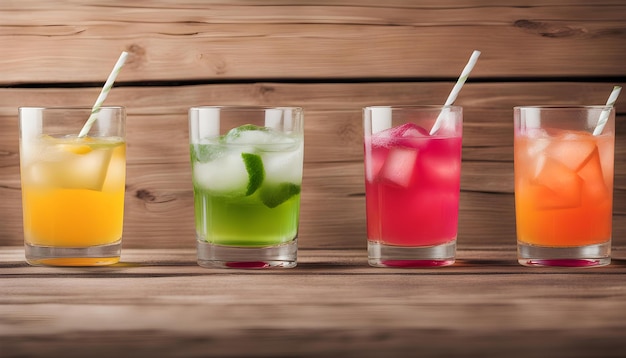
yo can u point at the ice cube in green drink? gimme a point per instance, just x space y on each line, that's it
232 174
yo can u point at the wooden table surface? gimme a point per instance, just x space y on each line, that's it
159 303
332 58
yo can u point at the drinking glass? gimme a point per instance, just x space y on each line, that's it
412 184
72 187
247 178
563 185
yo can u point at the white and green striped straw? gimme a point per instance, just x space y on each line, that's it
456 89
604 116
103 95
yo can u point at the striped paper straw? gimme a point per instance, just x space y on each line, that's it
103 95
456 89
604 116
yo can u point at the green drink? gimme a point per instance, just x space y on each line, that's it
237 202
247 184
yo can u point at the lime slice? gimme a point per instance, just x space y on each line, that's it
256 174
272 196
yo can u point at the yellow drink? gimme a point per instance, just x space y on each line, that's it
73 194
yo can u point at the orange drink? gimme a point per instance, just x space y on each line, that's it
563 186
72 188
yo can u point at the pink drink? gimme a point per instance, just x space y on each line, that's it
412 186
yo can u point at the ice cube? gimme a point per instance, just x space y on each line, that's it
393 135
85 171
251 137
250 134
544 198
382 139
283 166
116 174
206 152
72 171
374 160
227 174
571 149
535 133
594 187
283 142
410 130
536 146
607 159
555 184
399 166
439 169
260 137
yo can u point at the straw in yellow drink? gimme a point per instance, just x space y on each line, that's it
73 181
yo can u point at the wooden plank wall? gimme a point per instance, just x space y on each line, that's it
331 57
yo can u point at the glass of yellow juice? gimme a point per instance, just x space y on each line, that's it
72 187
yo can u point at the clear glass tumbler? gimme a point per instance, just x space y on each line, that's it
247 178
72 187
563 185
412 184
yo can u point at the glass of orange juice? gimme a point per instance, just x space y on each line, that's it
72 187
563 185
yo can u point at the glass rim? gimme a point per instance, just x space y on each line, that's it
415 106
69 107
244 107
563 106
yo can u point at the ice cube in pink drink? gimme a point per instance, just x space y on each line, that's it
399 166
374 160
393 135
411 130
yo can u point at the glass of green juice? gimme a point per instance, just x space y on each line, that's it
247 177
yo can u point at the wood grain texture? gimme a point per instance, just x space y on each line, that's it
159 303
331 57
169 40
159 195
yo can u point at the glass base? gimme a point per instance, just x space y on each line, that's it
381 255
578 256
245 257
101 255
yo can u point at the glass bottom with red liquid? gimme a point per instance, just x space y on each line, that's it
381 255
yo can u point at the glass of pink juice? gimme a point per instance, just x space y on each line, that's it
412 184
